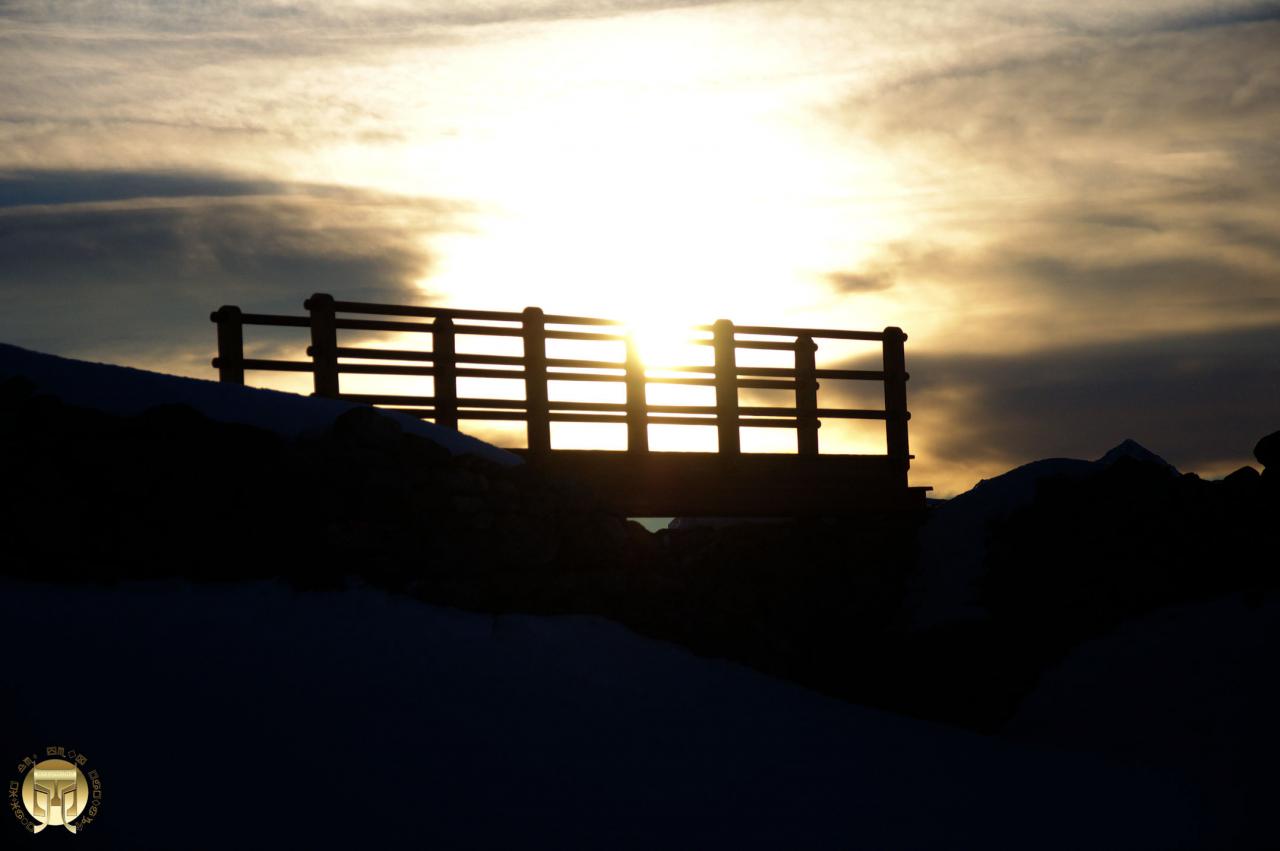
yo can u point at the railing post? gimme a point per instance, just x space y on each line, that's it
637 405
538 411
445 372
230 359
726 369
806 397
895 400
324 344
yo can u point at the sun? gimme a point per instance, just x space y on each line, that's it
663 343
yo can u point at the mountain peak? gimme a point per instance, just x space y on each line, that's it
1129 448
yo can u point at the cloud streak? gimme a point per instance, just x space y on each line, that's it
1200 400
861 282
118 263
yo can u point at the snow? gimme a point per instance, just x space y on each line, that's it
244 715
126 391
1190 689
247 715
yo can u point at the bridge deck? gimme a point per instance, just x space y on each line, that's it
663 484
636 482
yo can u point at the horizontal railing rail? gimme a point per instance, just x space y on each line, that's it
536 371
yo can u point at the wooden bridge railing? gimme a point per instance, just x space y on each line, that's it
445 364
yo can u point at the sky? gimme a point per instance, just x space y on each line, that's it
1071 208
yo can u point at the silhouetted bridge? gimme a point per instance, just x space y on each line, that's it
634 481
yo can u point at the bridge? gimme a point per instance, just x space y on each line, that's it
635 482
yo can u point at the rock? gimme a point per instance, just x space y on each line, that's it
15 391
424 454
462 482
1243 486
172 420
526 540
1245 476
1268 450
466 504
368 429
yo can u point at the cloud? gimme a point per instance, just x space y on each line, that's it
1199 400
1076 100
263 86
1218 15
1088 184
1050 187
24 188
1075 274
861 282
1198 290
1097 254
125 264
366 20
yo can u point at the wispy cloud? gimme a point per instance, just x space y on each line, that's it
869 281
1095 181
344 21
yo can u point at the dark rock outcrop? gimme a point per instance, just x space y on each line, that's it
1267 450
1268 454
1088 553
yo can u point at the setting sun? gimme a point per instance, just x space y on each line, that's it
662 343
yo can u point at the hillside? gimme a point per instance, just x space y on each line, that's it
441 616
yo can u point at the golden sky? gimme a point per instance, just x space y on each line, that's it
1069 207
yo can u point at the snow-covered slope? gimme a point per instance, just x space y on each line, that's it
1190 689
251 716
127 391
952 543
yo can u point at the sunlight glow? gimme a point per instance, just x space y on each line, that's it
607 183
660 343
600 181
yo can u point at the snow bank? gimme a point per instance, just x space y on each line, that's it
1190 689
246 716
126 391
